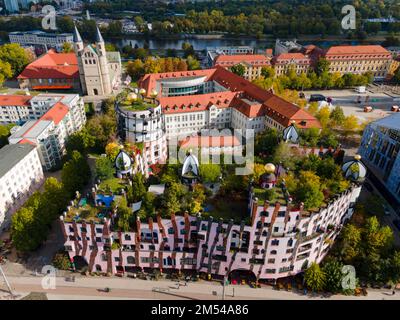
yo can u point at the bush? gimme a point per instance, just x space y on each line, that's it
61 261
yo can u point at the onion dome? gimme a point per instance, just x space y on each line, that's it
268 179
123 162
153 93
291 134
354 169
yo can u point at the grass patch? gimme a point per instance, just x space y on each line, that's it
114 184
228 208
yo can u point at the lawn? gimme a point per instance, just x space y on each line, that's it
115 184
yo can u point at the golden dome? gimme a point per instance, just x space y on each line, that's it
357 157
142 91
154 93
269 167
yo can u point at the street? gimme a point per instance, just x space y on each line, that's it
126 288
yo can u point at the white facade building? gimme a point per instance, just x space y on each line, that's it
50 132
20 175
37 37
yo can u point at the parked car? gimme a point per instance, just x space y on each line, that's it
396 223
317 98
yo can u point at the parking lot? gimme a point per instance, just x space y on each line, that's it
381 102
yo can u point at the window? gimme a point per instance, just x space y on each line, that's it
130 260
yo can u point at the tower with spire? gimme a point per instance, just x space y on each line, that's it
94 65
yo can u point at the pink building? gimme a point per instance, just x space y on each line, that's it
279 240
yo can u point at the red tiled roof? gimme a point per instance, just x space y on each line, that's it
52 65
199 102
357 50
14 100
148 81
244 96
231 60
209 141
56 113
27 141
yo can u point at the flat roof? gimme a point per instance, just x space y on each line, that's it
391 122
11 154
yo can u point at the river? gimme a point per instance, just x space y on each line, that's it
202 44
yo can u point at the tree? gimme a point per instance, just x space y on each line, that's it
322 66
323 116
112 150
61 261
238 69
80 141
4 134
5 71
308 190
23 233
351 239
266 142
268 72
333 276
209 172
75 173
137 190
124 216
104 168
314 277
67 47
16 56
350 123
192 63
376 238
172 197
135 69
337 116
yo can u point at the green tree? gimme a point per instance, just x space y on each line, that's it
80 141
5 72
75 173
124 217
308 190
4 134
209 172
351 240
337 116
67 47
238 69
315 277
333 276
16 56
135 69
104 168
137 190
322 66
192 63
61 261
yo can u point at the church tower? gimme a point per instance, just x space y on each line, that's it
78 48
103 63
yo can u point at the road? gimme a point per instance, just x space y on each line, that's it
126 288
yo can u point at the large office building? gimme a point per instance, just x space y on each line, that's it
40 38
214 52
252 63
62 116
296 61
380 146
360 59
21 174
